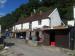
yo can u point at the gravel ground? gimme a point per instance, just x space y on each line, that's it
22 49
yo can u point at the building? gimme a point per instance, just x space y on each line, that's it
47 25
70 23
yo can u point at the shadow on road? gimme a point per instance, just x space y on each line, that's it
9 44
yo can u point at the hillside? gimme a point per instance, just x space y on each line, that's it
65 9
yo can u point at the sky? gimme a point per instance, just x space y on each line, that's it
7 6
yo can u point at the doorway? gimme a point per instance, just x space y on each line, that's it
23 34
52 38
37 35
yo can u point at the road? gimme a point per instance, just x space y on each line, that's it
22 49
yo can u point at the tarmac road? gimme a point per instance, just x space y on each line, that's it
22 49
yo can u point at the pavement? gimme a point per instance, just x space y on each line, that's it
22 49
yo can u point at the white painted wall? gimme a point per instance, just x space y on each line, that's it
25 25
45 22
13 28
55 18
71 22
18 27
34 24
74 12
55 21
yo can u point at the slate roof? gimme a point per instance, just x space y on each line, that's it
34 17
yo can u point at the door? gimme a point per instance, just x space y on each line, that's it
52 38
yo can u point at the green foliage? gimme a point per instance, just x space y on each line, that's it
65 9
43 9
7 21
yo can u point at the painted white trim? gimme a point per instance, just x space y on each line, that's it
74 12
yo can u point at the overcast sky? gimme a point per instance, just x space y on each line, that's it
7 6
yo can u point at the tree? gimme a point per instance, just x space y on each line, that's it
64 8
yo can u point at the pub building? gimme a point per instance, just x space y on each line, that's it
45 28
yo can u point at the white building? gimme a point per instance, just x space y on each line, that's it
40 20
70 23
